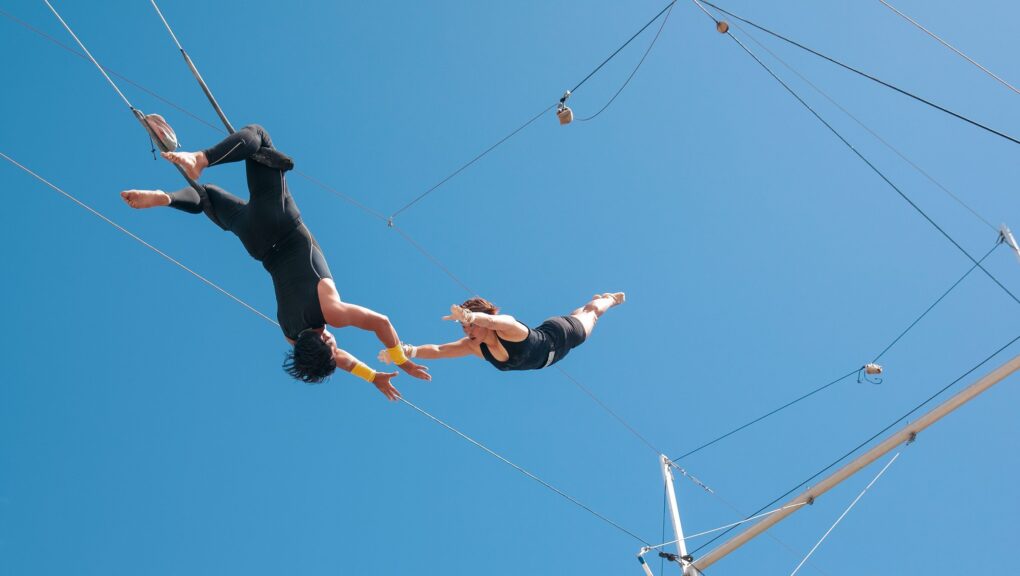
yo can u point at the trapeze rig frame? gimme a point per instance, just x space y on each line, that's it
691 567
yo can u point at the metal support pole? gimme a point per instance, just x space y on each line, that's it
674 511
905 434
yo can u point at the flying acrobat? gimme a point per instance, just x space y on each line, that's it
270 227
508 344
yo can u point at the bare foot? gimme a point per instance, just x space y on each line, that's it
191 162
145 198
617 297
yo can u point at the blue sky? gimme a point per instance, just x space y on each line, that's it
145 424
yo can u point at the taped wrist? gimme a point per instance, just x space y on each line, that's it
364 372
397 354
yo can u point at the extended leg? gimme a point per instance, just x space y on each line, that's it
221 206
589 313
236 147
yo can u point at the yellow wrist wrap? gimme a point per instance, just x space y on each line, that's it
364 372
397 354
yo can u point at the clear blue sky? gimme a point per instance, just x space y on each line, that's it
146 426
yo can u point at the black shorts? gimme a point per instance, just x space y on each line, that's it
564 333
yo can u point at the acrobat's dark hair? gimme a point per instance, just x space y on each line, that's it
311 361
479 304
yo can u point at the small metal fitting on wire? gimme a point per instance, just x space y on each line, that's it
563 112
669 556
722 26
869 370
1006 237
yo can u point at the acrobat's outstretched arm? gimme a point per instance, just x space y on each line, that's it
346 361
342 314
456 349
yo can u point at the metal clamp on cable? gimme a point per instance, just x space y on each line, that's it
563 112
869 370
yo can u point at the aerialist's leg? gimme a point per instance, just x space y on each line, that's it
241 145
221 206
270 212
589 314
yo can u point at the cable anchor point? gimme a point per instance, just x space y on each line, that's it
867 370
1006 237
389 222
563 112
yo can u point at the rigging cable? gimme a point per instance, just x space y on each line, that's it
874 436
640 62
407 237
194 72
764 416
447 271
869 164
526 473
469 163
844 377
872 132
138 239
845 512
624 45
60 44
860 73
529 122
841 378
326 187
950 46
271 321
345 197
230 128
944 294
731 525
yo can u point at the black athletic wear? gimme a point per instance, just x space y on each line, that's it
268 224
545 345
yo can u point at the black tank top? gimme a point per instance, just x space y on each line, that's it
296 264
534 352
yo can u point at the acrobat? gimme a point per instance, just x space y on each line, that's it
508 344
270 227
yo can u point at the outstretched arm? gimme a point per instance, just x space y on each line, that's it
342 314
456 349
346 361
